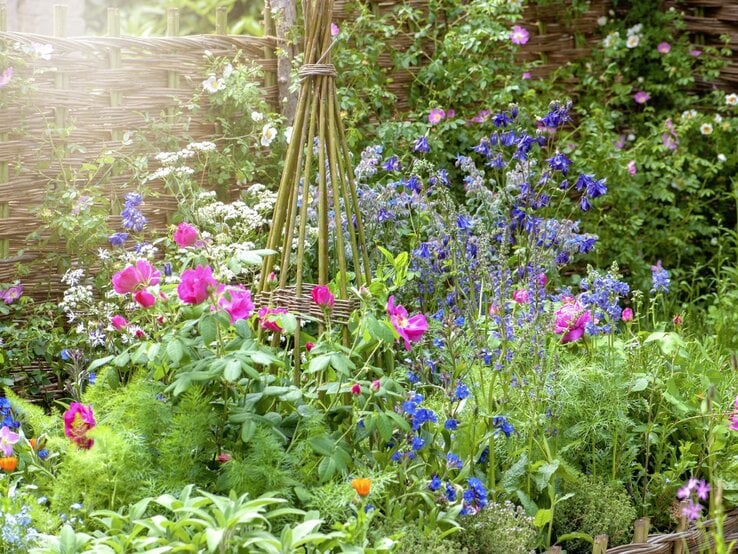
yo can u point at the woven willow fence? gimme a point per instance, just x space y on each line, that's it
100 88
96 89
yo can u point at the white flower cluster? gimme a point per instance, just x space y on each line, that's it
170 161
214 83
238 221
634 36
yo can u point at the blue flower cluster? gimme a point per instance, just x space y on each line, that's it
370 158
419 416
601 296
475 497
16 533
6 412
660 281
131 215
503 425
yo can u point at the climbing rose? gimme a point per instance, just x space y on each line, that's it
267 321
185 235
196 284
410 329
570 320
78 420
137 276
144 298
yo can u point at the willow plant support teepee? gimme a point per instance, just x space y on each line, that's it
318 146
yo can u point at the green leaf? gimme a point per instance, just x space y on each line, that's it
319 363
208 328
575 536
248 428
543 474
213 538
322 445
232 371
98 363
175 351
543 517
379 330
641 383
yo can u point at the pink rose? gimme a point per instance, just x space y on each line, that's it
356 389
144 298
185 235
519 35
119 322
309 346
521 296
570 320
196 284
322 296
267 318
627 315
663 48
376 384
138 276
236 301
411 329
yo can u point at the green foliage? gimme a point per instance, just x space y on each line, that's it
264 466
597 507
501 528
412 540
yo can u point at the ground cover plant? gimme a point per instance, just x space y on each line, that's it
519 372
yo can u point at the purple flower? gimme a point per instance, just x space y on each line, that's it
702 490
641 97
421 145
436 115
118 239
663 47
695 53
12 294
692 511
519 35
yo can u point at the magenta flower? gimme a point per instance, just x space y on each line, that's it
436 115
641 97
450 113
482 116
521 296
702 490
526 75
519 35
6 76
185 235
78 420
7 440
236 301
684 492
696 53
541 279
196 285
632 169
411 329
268 319
119 322
627 315
663 47
134 277
570 320
334 29
356 389
144 298
692 511
375 386
322 296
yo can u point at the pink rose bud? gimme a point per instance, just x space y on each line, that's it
356 389
632 169
521 296
224 457
144 298
375 385
139 334
494 309
677 320
627 315
118 321
322 296
309 346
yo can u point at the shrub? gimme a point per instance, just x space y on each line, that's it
501 528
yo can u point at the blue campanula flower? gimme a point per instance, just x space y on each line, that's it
503 425
118 239
660 281
43 453
450 492
453 461
451 424
462 391
421 145
418 443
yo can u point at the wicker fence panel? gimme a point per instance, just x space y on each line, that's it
140 85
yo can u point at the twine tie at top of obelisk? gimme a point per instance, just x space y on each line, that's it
317 69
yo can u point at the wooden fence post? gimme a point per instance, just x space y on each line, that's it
173 76
116 97
600 544
286 14
270 77
61 80
221 20
4 170
641 530
678 547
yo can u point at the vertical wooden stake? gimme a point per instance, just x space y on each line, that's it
116 97
286 14
679 546
554 550
4 206
61 80
600 544
641 530
221 20
173 76
270 77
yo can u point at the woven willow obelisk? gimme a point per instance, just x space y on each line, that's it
317 159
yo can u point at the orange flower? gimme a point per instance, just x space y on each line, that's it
361 486
8 463
32 442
